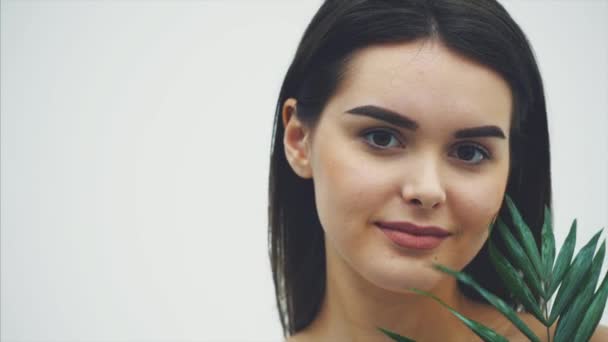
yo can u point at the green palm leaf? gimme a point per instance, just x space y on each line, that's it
569 320
525 235
594 313
520 259
574 277
395 336
514 283
563 259
547 251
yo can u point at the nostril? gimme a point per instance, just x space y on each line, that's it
418 202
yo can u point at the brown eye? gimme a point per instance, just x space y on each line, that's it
467 152
471 153
381 139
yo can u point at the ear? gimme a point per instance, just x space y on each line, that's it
296 140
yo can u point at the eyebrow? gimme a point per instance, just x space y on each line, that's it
384 114
403 121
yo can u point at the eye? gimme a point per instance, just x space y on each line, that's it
381 139
471 153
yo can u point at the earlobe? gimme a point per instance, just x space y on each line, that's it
296 140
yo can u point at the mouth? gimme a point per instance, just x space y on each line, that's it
411 236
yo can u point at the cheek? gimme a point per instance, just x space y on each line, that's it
339 198
478 204
347 190
474 206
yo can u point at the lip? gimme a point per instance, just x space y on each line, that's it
413 229
410 236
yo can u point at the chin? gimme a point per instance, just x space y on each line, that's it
401 282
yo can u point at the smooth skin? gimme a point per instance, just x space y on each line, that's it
367 168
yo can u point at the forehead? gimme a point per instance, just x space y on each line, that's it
425 77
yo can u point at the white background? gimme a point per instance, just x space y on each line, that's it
135 140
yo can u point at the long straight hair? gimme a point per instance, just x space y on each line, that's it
480 30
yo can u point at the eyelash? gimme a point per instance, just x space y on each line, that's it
392 133
482 150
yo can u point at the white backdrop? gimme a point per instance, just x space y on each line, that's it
135 140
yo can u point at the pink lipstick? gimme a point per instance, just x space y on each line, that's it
409 235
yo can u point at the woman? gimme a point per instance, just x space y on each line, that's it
400 117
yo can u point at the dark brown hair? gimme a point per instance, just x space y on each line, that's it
480 30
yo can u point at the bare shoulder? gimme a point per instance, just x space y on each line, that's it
534 324
600 334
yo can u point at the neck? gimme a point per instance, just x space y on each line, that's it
353 309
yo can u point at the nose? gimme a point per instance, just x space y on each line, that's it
423 187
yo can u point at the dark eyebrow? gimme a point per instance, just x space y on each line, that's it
407 123
385 115
479 132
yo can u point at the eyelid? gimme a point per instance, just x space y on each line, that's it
381 129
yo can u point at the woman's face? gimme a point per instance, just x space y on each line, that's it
413 134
